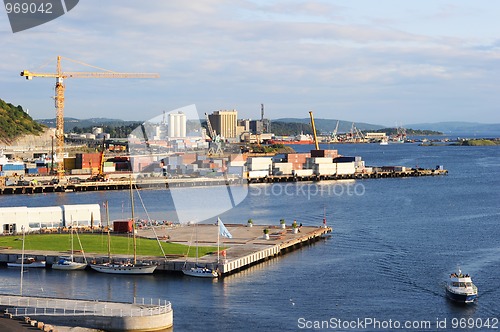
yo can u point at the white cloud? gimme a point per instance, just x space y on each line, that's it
352 57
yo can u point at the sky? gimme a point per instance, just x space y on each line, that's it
385 62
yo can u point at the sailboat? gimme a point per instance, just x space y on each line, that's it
68 263
203 271
23 262
124 267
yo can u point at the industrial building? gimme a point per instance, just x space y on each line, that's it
177 125
37 218
224 123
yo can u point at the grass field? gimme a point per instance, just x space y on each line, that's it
98 243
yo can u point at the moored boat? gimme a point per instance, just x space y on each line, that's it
460 288
67 263
124 268
27 262
128 267
200 272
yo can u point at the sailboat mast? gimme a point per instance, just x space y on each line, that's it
196 239
218 240
22 262
107 214
72 251
133 221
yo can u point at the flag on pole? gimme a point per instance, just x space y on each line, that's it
223 230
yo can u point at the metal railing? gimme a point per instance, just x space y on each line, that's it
56 307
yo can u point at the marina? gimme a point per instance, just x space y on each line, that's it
247 248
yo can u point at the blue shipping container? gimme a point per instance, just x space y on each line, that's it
32 170
13 167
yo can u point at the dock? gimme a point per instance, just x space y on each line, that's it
141 315
165 183
246 248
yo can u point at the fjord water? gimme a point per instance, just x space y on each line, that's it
394 243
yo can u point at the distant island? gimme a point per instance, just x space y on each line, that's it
478 142
409 131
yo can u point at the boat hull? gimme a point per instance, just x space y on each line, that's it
200 273
69 266
460 297
30 265
123 269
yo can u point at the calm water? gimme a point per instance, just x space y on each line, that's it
393 245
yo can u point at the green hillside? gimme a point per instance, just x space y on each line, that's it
15 122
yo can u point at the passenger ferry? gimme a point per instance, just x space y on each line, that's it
460 288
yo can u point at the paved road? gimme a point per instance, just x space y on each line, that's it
12 325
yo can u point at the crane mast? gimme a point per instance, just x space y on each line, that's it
316 144
60 76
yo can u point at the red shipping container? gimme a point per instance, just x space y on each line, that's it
123 226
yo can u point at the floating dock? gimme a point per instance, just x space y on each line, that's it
247 247
109 316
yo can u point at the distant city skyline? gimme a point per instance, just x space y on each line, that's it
386 62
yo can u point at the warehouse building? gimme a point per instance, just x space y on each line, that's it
37 218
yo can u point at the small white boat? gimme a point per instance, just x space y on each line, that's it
29 262
67 263
460 288
200 272
125 268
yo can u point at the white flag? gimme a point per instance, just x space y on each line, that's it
223 230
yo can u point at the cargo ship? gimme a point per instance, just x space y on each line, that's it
299 139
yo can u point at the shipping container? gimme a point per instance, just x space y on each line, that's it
345 168
31 171
331 153
85 171
108 169
43 170
303 172
236 170
125 226
325 169
70 163
13 167
321 160
257 174
259 163
344 159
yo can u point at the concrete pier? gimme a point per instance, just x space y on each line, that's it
247 247
109 316
165 183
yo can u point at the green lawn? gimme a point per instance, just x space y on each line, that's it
98 243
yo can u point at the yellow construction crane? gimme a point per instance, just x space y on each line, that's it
316 145
60 76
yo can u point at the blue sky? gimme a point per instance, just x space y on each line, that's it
385 62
